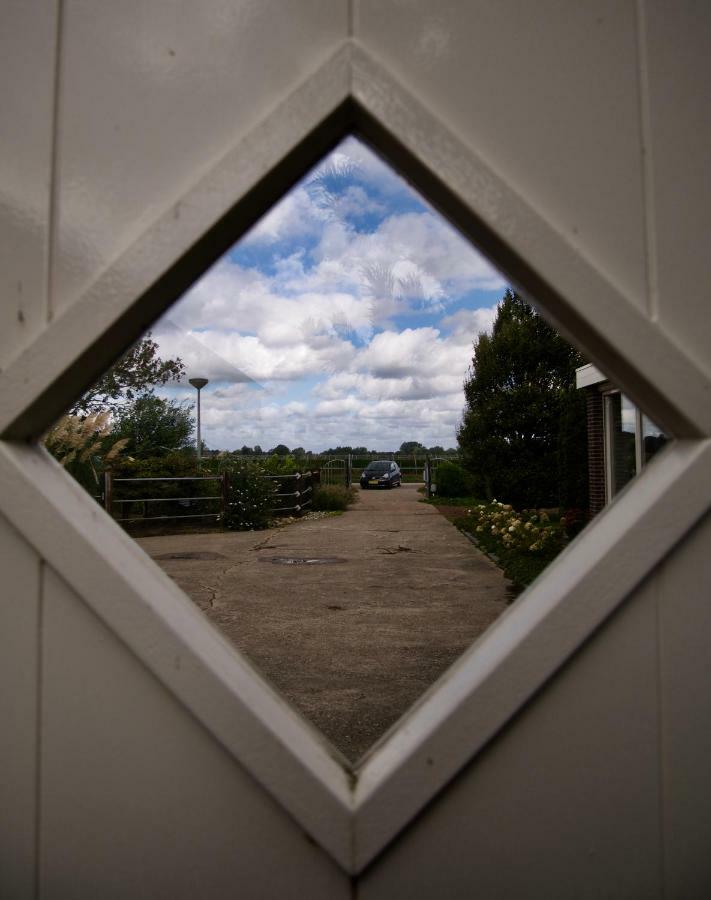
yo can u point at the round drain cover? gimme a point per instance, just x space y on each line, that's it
303 560
191 554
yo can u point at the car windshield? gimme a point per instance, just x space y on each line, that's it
378 466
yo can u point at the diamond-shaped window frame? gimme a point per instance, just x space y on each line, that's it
353 816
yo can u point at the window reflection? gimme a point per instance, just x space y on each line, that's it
622 451
653 439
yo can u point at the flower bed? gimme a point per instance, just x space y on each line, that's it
521 542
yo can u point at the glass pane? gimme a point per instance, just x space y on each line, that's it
621 417
653 439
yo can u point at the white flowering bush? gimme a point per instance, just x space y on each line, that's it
251 498
523 541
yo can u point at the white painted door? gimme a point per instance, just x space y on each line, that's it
565 756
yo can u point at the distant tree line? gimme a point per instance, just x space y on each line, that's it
522 437
407 447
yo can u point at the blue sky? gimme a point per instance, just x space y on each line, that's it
345 316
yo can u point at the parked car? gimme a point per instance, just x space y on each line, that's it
381 473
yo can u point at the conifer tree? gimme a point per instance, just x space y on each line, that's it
523 431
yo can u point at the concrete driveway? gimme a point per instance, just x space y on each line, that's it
392 596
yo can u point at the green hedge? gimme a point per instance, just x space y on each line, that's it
332 497
452 480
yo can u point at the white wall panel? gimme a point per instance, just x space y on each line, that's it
678 48
19 631
137 799
565 803
152 93
685 619
547 94
27 63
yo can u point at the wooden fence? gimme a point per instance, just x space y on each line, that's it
186 501
293 496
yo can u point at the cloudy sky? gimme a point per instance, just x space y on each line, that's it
345 316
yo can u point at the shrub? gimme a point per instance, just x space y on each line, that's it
523 542
332 497
280 465
452 480
251 498
574 520
172 465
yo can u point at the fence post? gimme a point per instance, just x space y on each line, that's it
297 500
349 470
428 478
108 492
225 497
309 486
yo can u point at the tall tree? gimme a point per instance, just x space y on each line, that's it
153 426
136 373
523 431
412 447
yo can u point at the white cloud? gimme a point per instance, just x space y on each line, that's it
399 386
231 298
378 425
433 246
419 352
356 159
466 324
296 215
325 313
264 362
410 262
198 357
370 388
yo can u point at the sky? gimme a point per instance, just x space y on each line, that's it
346 316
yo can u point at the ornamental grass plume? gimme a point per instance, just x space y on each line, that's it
83 446
81 442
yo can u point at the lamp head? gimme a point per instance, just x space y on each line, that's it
198 382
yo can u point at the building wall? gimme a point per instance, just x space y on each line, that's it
596 450
122 773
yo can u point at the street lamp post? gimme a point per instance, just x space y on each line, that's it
198 384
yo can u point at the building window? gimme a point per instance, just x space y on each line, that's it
623 446
621 457
653 439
